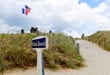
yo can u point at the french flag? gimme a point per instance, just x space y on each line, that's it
26 10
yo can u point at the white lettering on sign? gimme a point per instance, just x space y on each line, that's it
38 43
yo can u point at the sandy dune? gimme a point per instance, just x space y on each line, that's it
96 59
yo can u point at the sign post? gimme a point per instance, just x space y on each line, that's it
39 44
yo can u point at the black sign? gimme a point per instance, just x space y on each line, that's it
39 43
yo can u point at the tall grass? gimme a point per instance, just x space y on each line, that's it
16 51
62 52
102 38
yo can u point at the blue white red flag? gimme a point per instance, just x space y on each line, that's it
26 10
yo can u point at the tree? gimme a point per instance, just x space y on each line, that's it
50 31
82 36
22 31
33 30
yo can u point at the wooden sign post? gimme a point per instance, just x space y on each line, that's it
39 44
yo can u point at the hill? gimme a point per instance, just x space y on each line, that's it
16 51
102 38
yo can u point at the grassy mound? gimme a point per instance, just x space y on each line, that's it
16 51
102 38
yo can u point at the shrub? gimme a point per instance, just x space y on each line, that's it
102 38
17 52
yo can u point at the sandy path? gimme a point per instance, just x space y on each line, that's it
96 59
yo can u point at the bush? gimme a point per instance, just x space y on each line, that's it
17 52
102 38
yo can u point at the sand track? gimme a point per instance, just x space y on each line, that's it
97 62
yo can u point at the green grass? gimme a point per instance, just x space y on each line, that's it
16 51
102 38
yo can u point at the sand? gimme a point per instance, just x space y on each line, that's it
97 62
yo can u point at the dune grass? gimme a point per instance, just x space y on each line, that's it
102 38
16 51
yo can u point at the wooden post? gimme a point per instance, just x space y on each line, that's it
77 47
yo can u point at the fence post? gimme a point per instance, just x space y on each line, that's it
77 48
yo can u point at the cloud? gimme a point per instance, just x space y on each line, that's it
4 28
102 7
66 16
72 33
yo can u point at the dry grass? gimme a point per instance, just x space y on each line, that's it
16 51
102 38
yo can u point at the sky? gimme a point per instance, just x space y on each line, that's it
71 17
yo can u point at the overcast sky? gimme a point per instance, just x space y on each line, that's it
72 17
